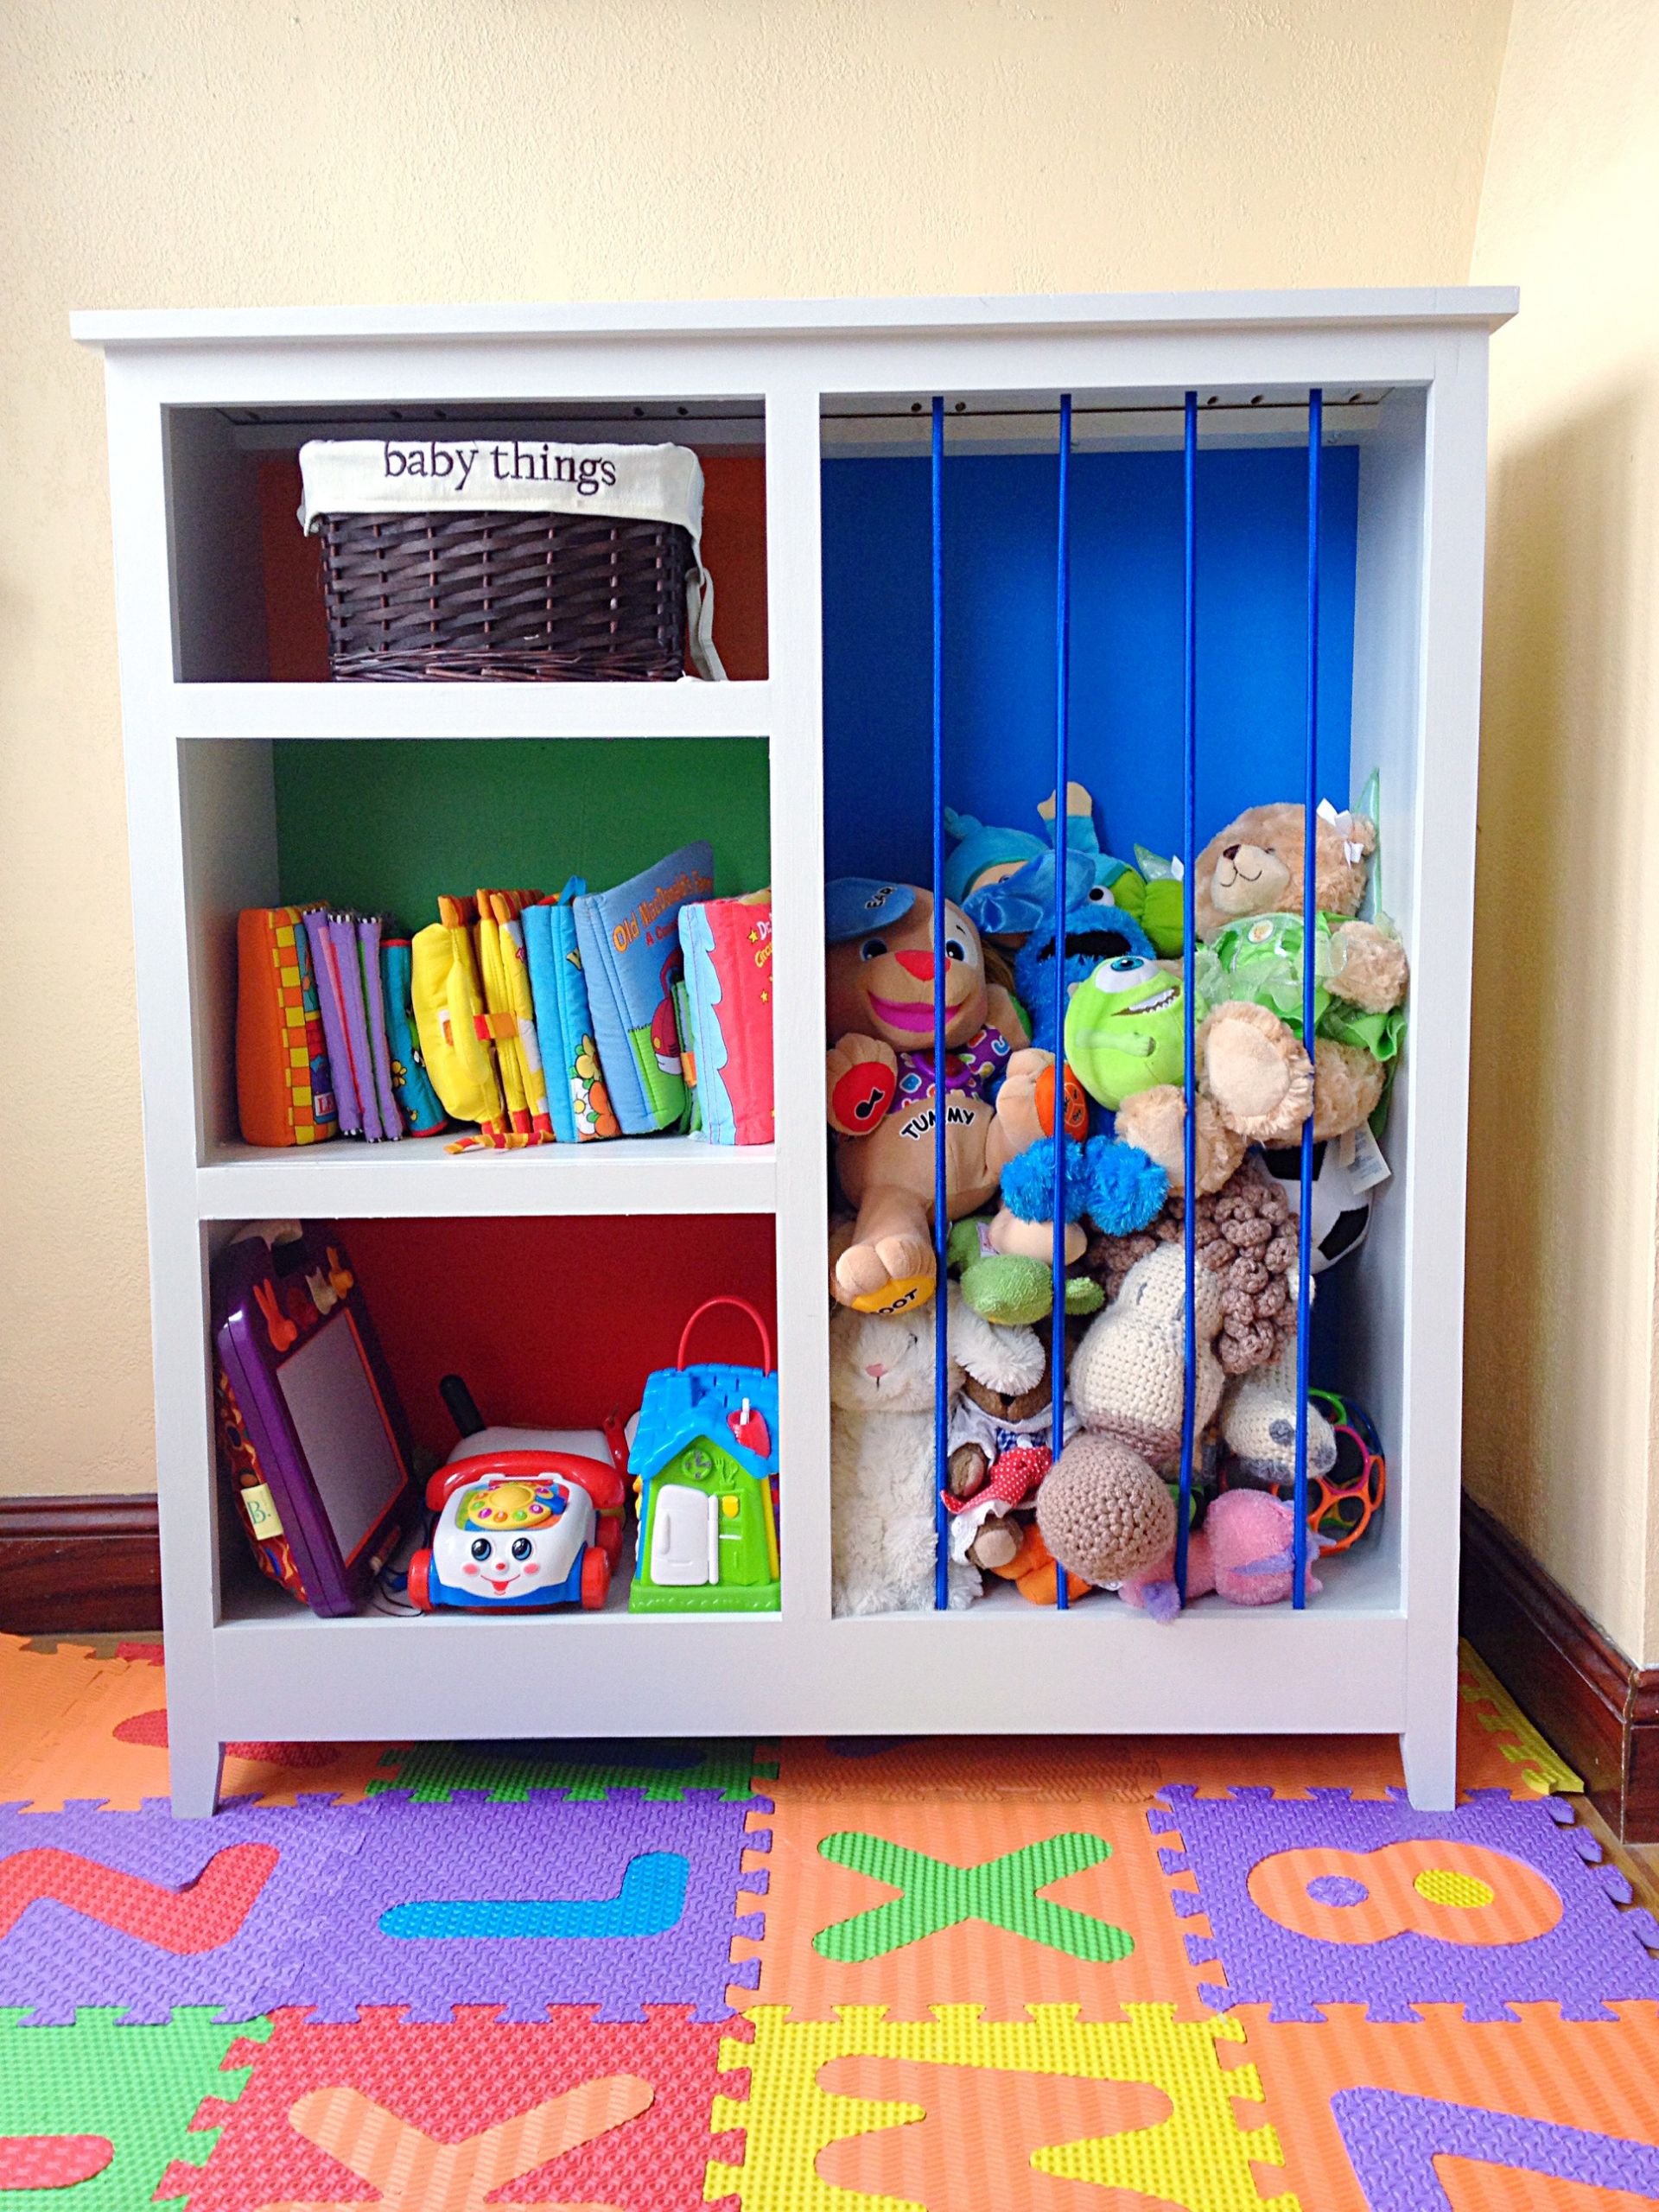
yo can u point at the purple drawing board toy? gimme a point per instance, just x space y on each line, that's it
293 1333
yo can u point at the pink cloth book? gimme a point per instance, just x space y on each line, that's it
727 946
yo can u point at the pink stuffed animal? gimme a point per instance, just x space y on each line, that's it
1243 1553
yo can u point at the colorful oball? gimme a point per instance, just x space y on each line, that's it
1342 1504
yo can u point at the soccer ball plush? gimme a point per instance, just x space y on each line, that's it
1340 1215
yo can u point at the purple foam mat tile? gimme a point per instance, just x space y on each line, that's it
141 1912
1593 1956
616 1904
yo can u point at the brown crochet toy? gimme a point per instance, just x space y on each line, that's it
1246 1233
1104 1512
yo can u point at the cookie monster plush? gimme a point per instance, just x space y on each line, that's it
1095 931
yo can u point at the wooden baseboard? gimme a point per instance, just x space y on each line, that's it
1599 1709
79 1566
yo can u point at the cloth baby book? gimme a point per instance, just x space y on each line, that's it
728 947
576 1097
284 1089
416 1100
630 944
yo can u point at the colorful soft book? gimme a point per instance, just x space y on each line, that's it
285 1088
728 947
416 1100
511 1012
577 1098
630 942
345 960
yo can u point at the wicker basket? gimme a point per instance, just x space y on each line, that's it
509 596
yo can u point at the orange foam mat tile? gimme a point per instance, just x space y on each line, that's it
42 1696
1121 1770
1536 2114
1124 1769
111 1747
1001 1904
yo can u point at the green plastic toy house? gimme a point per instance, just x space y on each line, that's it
704 1453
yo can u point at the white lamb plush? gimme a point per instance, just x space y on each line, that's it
882 1479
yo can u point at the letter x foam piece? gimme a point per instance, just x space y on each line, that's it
935 1894
413 2173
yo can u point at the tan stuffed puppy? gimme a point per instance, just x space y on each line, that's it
881 1098
1251 1067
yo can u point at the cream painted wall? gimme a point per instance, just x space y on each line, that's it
1559 1439
230 152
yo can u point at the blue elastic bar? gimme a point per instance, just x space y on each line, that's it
1309 947
1061 770
1189 846
941 1219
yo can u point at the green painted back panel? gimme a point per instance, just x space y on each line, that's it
385 825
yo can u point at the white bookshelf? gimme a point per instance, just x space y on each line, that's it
190 394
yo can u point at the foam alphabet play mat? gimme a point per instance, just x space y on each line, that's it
860 1975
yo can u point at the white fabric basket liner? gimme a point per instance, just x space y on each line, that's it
384 476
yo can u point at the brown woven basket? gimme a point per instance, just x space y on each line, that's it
503 597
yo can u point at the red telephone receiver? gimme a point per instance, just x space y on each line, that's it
602 1484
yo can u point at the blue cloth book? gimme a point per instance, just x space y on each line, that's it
577 1098
630 944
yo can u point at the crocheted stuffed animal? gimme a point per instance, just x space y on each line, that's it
1258 1426
1245 1233
1104 1511
1127 1374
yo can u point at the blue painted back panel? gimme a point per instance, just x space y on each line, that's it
1126 632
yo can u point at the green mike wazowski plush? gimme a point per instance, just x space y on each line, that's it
1126 1029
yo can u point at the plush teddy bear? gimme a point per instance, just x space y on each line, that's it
882 1483
1253 1065
882 1090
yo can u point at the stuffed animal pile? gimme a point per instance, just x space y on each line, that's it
1099 1502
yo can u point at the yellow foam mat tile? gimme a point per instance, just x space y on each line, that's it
1534 1764
987 2116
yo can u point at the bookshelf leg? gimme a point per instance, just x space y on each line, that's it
1428 1751
194 1764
